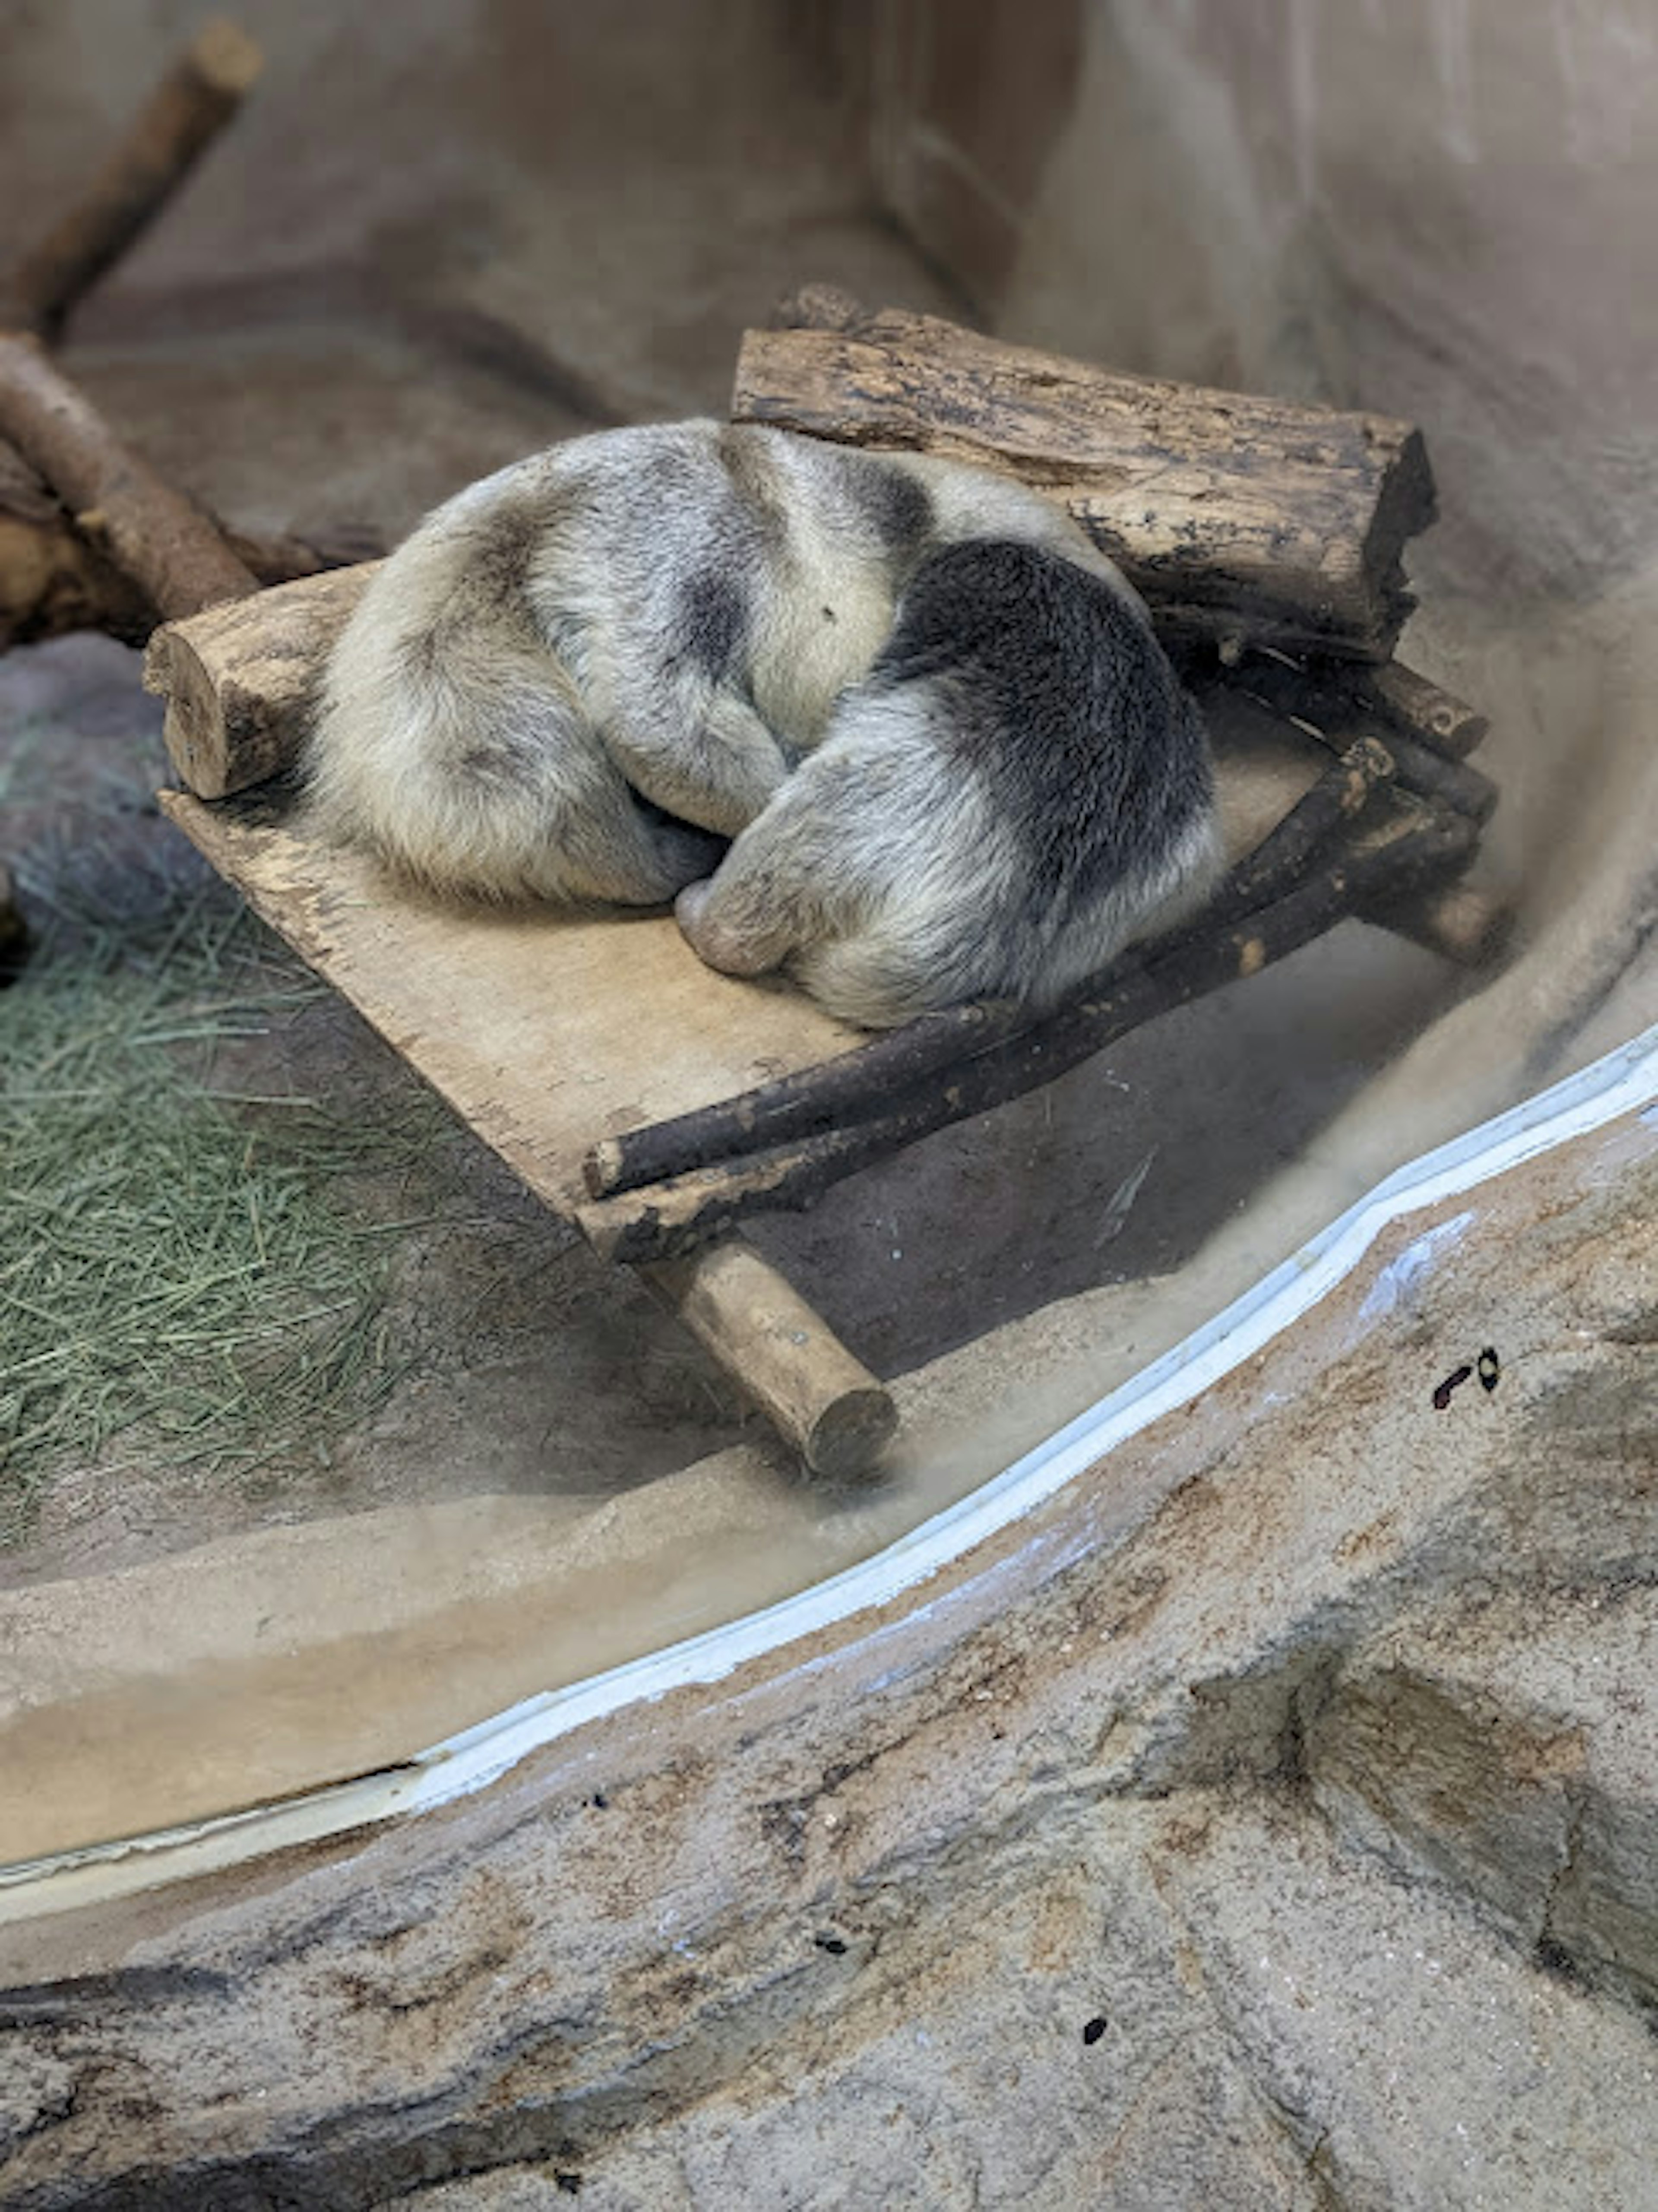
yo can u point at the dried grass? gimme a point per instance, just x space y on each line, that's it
180 1269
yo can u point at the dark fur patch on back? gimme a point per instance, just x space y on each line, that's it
502 549
1061 702
713 620
503 765
492 581
900 508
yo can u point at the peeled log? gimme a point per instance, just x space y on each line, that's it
782 1354
1241 519
54 579
240 679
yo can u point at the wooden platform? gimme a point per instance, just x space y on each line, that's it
657 1105
544 1032
549 1033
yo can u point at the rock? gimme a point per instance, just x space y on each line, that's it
1216 1833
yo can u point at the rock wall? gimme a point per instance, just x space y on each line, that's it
1267 1821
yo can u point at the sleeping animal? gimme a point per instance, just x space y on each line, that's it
952 759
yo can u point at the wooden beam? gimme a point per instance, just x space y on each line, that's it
1239 519
782 1354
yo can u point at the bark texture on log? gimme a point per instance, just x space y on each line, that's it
240 679
152 533
178 123
54 580
1238 517
782 1354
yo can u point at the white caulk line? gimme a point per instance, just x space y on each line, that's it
1625 1081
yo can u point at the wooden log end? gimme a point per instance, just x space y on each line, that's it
1426 711
850 1435
223 55
239 678
194 730
1459 921
782 1355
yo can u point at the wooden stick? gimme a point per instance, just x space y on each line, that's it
239 679
53 580
782 1354
1284 855
171 132
1421 709
1322 702
666 1219
152 533
850 1087
858 1085
1238 517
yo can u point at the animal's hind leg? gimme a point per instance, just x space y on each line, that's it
697 750
771 892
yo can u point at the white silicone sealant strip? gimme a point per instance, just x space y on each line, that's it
1624 1082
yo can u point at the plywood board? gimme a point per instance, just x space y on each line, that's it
544 1031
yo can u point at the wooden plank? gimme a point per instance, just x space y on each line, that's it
544 1031
1239 517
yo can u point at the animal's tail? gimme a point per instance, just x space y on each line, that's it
462 755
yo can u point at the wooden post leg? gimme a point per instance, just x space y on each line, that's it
1459 921
780 1354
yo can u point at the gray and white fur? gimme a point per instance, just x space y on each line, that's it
954 760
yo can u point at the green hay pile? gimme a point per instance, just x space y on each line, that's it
180 1270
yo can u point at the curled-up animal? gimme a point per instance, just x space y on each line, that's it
888 723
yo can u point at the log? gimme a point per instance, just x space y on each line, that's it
1284 854
1329 706
666 1220
54 580
1461 922
240 679
171 132
1238 517
169 548
782 1354
1420 710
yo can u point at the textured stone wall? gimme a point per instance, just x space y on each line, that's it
1267 1821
